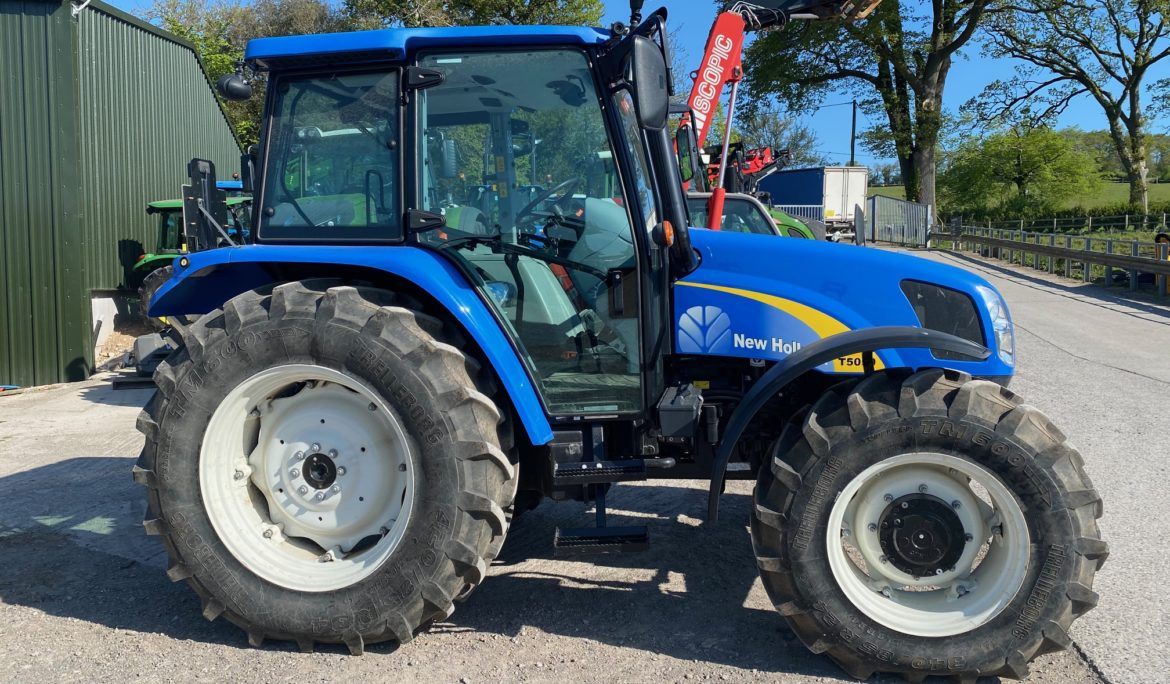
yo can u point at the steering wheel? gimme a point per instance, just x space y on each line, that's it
563 189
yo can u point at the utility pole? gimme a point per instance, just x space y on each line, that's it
853 138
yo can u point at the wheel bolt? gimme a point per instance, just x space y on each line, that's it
335 488
315 448
888 497
905 504
968 537
341 471
886 592
303 490
402 467
319 496
372 407
956 505
897 522
333 453
294 473
922 489
939 571
300 455
255 412
239 475
268 534
873 527
883 559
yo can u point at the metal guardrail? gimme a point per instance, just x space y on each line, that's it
804 212
1076 224
1059 255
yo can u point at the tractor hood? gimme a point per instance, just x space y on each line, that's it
761 297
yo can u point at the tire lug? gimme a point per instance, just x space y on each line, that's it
372 407
968 537
883 560
255 412
897 522
319 496
238 475
905 504
402 467
299 456
886 592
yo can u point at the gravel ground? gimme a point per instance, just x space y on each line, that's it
83 595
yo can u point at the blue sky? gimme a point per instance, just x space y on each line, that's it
692 20
970 74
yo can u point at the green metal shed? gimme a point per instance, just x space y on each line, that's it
99 114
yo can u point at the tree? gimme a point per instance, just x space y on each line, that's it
1101 48
382 13
896 62
1023 170
767 125
220 30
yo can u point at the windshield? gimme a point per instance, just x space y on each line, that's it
739 215
514 153
332 165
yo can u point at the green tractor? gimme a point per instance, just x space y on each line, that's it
152 269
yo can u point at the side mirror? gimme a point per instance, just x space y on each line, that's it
651 82
682 146
234 88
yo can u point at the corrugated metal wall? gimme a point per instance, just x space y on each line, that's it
44 311
98 115
146 110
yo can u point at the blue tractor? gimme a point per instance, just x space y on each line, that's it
376 389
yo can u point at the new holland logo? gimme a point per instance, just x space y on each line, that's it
702 329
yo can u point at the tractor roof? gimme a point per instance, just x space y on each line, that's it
392 44
163 205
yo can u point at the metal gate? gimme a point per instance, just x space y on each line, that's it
898 221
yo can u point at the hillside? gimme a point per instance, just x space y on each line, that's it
1109 194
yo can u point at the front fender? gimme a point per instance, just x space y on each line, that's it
205 280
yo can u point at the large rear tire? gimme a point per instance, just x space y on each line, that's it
322 466
927 524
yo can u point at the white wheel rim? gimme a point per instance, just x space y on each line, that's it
307 477
985 578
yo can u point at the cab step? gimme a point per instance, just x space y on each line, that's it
598 472
580 541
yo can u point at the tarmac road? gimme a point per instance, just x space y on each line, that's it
83 595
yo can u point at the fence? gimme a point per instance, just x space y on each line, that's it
1078 224
898 221
1073 256
804 212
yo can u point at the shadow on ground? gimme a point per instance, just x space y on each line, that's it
72 545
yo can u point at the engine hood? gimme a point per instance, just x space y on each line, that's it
762 297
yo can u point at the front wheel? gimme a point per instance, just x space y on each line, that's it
927 524
324 467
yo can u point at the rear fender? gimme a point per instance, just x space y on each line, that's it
205 280
150 262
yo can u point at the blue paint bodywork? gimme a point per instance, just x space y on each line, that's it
393 44
860 288
213 277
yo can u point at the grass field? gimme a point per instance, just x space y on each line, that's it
1108 194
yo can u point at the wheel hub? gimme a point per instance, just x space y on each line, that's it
320 471
921 535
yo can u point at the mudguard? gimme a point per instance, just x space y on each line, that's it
798 363
205 280
153 261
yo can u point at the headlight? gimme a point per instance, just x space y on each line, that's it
1003 332
945 310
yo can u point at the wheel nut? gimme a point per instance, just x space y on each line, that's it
239 475
372 407
303 490
968 537
268 534
333 453
315 448
956 505
905 504
402 467
294 473
873 527
319 496
300 455
888 497
341 471
335 489
882 559
922 489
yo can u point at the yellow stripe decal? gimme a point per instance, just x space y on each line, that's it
819 322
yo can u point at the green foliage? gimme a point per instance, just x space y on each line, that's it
382 13
768 125
1018 170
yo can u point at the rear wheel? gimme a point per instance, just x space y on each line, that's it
323 467
150 284
927 524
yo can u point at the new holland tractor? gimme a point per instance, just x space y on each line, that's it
377 388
